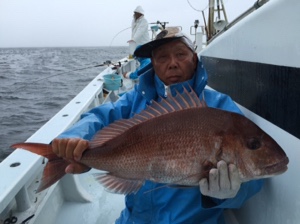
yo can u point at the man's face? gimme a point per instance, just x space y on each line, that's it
174 62
136 15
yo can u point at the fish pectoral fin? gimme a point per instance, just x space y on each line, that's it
194 179
177 186
118 185
180 186
170 186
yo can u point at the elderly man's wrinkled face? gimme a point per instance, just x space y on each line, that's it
174 62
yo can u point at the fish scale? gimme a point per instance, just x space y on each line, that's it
175 141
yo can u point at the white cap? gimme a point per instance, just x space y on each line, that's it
140 10
165 36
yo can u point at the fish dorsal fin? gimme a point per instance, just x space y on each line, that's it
111 131
118 185
185 100
181 101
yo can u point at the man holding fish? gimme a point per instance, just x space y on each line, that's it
174 61
179 160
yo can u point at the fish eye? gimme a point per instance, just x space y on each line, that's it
253 143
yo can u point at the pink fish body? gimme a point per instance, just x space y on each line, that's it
176 142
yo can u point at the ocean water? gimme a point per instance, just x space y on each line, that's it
35 83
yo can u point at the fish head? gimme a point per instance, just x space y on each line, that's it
253 151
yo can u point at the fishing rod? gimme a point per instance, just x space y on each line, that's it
108 63
163 24
118 34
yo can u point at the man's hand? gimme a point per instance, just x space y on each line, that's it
71 149
224 182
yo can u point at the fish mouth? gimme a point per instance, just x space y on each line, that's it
277 168
269 171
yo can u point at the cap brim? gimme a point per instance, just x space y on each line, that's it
145 51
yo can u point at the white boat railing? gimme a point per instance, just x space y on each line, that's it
21 171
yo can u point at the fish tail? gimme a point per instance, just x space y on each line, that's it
55 168
44 150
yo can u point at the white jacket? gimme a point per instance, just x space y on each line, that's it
139 32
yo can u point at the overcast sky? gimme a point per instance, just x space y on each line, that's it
63 23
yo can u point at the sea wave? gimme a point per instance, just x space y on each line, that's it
37 82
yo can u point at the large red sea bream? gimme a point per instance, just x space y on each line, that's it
175 141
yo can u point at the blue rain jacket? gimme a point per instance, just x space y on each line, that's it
165 205
145 64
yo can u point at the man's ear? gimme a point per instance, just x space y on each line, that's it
195 60
152 61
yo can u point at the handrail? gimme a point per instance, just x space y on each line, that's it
21 170
21 167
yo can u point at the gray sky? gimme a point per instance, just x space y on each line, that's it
62 23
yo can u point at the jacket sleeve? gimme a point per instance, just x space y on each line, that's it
219 100
247 189
99 117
